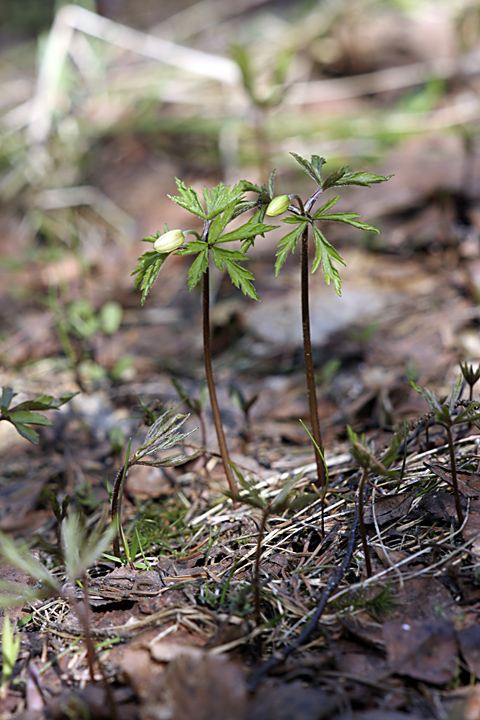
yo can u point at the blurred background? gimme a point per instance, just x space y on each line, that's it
104 102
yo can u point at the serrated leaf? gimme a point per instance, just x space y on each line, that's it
320 212
7 395
326 254
218 198
334 177
247 231
313 168
348 218
199 265
27 433
25 416
271 184
188 199
226 259
288 244
365 179
149 265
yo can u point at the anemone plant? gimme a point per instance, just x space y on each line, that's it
306 223
221 206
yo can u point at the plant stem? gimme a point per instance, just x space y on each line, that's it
309 369
116 506
256 580
361 523
453 468
207 355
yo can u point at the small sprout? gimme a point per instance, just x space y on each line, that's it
279 205
471 376
162 435
21 415
169 241
10 648
444 415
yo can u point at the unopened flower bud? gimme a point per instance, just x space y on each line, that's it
278 205
169 241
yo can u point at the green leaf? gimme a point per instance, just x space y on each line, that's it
32 418
313 168
218 198
288 244
226 259
246 232
365 179
149 265
198 267
326 254
348 218
334 177
321 211
188 199
7 395
192 247
27 433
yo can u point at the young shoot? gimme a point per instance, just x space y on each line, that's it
448 415
220 207
307 223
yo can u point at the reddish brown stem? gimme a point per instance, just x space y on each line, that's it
453 467
361 524
207 356
309 368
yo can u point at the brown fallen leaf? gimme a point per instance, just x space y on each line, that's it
471 529
390 507
422 650
469 641
468 482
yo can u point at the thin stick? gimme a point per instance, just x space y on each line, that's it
207 354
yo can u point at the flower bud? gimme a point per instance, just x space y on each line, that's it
278 205
169 241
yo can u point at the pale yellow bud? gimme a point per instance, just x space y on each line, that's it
170 241
278 205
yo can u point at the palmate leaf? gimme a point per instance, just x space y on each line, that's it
220 197
326 254
149 265
288 243
228 260
188 199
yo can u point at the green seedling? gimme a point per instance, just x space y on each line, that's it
60 512
305 223
277 505
76 323
471 376
10 649
23 415
196 405
444 415
244 405
363 454
162 435
80 550
221 206
262 99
